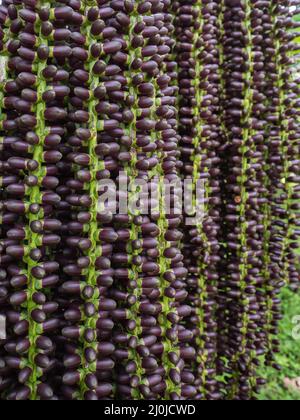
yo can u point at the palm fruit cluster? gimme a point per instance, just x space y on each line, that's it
104 304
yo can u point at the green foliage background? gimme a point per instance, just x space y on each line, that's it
289 358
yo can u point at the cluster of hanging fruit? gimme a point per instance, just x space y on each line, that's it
111 305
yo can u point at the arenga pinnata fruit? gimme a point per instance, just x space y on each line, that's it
133 301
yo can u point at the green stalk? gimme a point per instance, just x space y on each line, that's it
135 231
247 133
202 354
288 187
222 316
95 250
164 263
267 211
33 240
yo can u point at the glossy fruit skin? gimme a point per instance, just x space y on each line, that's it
136 305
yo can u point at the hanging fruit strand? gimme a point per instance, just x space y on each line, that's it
118 294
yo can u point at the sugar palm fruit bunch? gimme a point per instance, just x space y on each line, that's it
260 90
34 112
134 301
199 60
